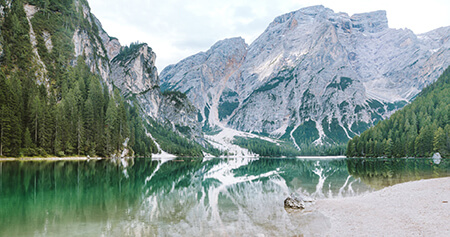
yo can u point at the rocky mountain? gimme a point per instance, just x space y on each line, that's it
420 129
69 88
132 70
313 76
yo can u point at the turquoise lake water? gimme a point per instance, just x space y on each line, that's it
186 197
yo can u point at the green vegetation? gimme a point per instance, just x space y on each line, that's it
175 96
322 150
140 142
86 120
376 106
128 52
172 142
334 131
226 109
285 74
343 106
71 112
266 148
342 85
228 102
360 126
165 86
284 148
396 105
306 133
59 19
418 130
274 82
206 127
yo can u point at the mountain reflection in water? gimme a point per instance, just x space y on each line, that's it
188 197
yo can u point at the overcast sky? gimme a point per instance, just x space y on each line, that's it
176 29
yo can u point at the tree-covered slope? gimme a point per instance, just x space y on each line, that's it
418 130
49 106
61 92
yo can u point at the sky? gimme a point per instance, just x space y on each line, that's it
176 29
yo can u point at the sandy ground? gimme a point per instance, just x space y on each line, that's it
419 208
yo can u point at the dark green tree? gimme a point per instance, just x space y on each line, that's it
416 130
439 140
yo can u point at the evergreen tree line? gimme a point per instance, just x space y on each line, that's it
269 149
73 112
87 120
418 130
172 142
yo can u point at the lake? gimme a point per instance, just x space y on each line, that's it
187 197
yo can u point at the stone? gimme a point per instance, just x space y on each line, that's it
294 203
436 158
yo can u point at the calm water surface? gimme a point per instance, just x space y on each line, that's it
186 197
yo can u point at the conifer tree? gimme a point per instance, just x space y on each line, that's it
110 123
439 140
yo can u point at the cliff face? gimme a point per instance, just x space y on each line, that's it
204 77
132 70
314 76
135 72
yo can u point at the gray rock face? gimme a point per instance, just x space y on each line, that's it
112 44
372 22
92 48
132 70
135 72
313 76
206 76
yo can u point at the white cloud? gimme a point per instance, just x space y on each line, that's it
176 29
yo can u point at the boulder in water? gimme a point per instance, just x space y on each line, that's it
294 203
437 158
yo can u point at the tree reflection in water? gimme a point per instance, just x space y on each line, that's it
380 173
144 197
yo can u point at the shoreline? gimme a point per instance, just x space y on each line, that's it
417 208
69 158
155 157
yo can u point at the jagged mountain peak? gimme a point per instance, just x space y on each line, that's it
228 48
112 44
133 70
313 76
236 42
306 13
441 33
303 16
230 52
372 22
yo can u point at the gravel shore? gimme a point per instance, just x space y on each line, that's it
419 208
69 158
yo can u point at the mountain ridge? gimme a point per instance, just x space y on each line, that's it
313 77
418 130
328 73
